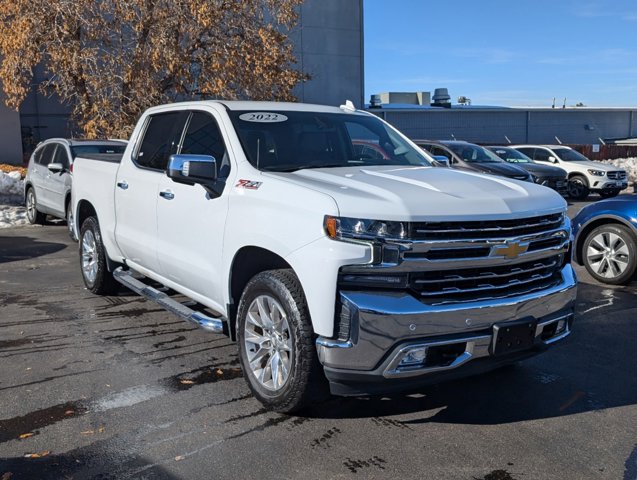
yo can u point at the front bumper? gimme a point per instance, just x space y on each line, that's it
609 185
386 326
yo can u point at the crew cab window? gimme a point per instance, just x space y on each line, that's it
161 138
203 137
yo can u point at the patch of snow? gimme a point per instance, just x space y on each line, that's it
11 188
12 216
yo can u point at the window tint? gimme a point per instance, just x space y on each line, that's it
442 152
79 150
527 151
541 155
61 156
160 139
46 156
203 137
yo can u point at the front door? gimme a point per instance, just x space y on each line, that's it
190 221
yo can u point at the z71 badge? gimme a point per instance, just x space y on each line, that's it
248 184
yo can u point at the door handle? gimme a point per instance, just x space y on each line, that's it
123 185
167 195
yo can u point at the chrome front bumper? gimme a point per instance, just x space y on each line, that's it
385 326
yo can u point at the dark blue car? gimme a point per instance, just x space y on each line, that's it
606 239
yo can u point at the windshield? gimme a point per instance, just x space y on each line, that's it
511 155
287 141
568 155
79 150
473 153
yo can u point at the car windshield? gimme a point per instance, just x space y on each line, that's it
474 153
511 155
286 141
568 155
79 150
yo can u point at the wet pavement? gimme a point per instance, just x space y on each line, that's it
115 388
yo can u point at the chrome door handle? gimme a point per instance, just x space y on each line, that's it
167 195
123 185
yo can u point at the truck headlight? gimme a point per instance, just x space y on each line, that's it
597 173
363 229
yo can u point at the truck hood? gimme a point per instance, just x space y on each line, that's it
413 193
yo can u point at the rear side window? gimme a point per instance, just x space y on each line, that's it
46 154
529 152
541 155
160 139
61 156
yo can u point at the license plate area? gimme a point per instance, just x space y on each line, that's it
512 337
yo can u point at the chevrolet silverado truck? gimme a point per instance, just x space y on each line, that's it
329 267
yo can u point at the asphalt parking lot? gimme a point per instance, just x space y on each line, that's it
115 388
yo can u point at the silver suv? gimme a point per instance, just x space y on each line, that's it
47 187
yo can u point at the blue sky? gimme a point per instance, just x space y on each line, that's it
499 52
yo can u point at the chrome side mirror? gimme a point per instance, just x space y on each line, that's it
191 169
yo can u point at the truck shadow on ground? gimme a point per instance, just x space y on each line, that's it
587 373
14 249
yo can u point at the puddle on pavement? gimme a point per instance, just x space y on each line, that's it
200 376
12 428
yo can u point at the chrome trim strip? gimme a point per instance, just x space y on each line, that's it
521 226
451 291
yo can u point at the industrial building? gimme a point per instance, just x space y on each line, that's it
328 43
439 119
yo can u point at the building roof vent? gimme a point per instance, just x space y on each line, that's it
441 98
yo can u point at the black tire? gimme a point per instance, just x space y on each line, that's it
606 266
69 221
578 187
102 281
33 215
609 193
305 382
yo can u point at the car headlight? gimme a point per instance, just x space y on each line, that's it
339 228
597 173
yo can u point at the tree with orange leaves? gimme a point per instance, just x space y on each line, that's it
111 59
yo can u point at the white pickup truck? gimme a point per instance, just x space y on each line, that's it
326 244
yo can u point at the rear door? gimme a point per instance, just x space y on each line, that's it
137 188
42 174
190 221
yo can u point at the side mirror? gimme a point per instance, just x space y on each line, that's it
55 167
191 169
442 160
552 159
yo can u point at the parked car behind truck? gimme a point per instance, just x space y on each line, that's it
47 186
375 273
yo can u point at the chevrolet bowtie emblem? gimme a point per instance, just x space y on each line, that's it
510 250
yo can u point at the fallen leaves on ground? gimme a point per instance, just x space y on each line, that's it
13 168
25 435
37 455
187 382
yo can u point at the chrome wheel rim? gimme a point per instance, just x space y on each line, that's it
89 257
607 255
268 342
31 205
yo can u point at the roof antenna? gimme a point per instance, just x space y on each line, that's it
601 140
558 140
349 106
508 140
453 136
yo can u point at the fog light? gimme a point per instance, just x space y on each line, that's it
414 357
561 327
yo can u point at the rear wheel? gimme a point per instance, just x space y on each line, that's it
276 343
578 187
95 272
610 254
69 221
33 216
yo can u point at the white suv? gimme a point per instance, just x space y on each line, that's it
47 186
584 175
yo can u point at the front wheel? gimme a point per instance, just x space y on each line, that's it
33 215
610 254
578 188
276 342
95 272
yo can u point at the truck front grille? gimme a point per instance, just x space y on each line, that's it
471 284
485 229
